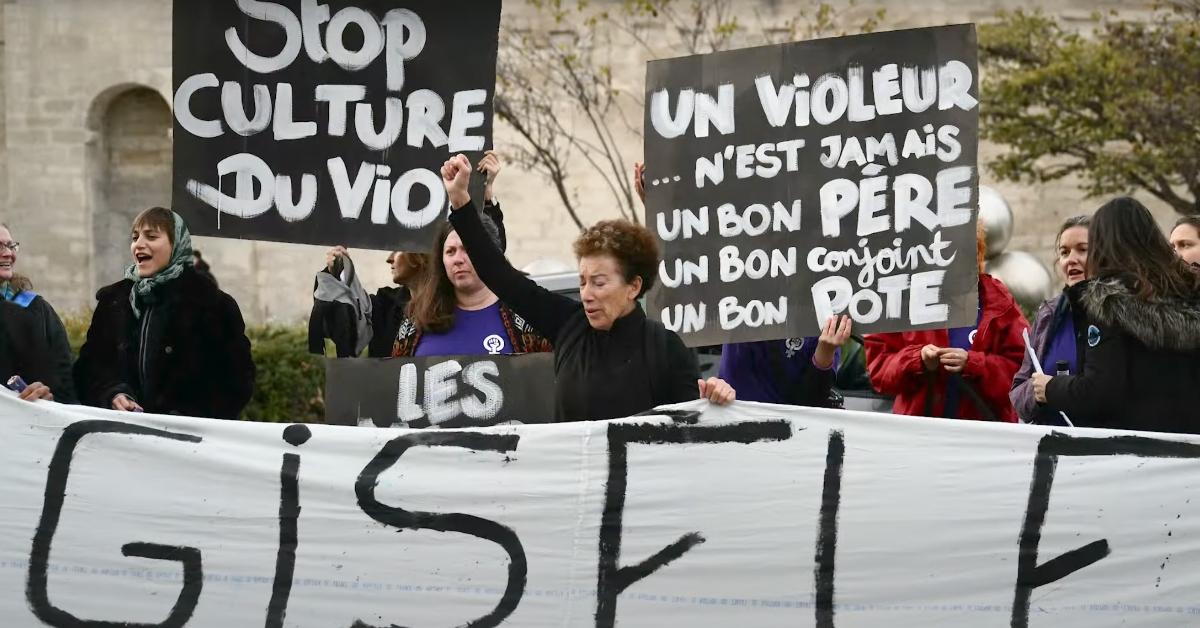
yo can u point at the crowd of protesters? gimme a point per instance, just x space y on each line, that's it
1118 348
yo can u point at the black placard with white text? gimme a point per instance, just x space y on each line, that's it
442 391
326 122
791 182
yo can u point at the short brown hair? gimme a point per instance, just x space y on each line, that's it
633 246
159 218
1192 221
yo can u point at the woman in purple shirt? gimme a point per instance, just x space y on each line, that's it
1054 331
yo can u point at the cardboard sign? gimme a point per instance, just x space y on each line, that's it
443 391
793 182
752 515
327 122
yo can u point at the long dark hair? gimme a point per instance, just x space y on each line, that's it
1124 242
433 300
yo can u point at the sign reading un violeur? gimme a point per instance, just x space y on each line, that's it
326 122
789 183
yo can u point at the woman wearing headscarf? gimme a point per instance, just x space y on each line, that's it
1054 332
33 341
1141 312
959 373
610 360
165 339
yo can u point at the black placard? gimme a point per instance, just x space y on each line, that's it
774 173
347 110
443 391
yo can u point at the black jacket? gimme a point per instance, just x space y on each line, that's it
631 368
34 345
187 354
1141 362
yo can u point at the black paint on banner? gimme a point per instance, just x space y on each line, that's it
827 529
36 588
327 123
1031 575
612 579
289 518
479 527
792 182
443 391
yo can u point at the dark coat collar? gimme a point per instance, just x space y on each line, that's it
1170 324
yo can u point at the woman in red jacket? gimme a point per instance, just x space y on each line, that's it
962 373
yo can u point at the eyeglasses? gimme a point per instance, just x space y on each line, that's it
12 246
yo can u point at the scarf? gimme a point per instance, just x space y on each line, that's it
7 292
181 257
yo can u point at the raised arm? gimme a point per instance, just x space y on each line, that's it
545 310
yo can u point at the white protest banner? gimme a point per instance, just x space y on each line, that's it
752 515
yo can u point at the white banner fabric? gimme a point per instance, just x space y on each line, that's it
753 515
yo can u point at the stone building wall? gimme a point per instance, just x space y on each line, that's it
85 92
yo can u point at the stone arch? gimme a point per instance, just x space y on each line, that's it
129 162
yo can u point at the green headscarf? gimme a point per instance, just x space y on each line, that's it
181 257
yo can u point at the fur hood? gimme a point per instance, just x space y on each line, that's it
1170 324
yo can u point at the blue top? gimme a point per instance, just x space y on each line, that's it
475 332
1061 347
960 338
764 370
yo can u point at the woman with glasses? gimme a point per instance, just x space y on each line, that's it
35 357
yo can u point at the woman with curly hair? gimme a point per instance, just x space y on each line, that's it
609 359
1141 312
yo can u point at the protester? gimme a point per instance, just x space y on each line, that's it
344 314
1141 310
610 360
202 267
165 339
961 373
796 371
1054 332
454 313
1185 239
33 341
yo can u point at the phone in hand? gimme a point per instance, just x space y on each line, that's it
16 384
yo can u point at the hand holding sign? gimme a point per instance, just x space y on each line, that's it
332 255
834 334
456 176
639 180
490 165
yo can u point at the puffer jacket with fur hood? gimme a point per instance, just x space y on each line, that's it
1141 361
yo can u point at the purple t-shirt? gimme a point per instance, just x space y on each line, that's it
765 370
478 332
1062 347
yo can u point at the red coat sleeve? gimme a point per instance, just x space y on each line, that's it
894 365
